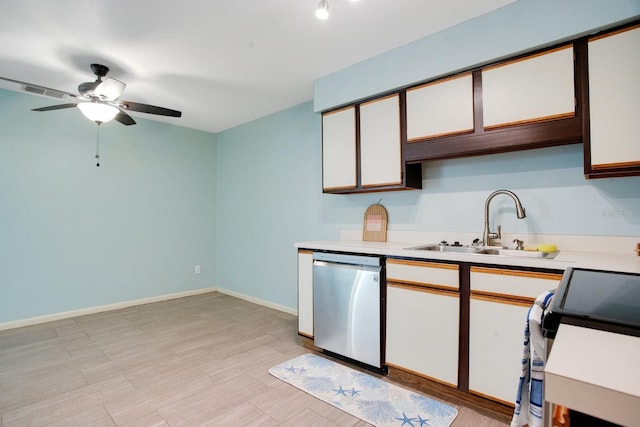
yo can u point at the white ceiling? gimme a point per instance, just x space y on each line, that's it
222 63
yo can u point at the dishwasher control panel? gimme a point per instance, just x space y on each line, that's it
371 261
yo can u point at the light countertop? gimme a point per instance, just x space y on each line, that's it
562 260
600 379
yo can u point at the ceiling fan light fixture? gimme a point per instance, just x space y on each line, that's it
98 112
322 11
110 89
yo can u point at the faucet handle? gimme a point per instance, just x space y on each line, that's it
499 233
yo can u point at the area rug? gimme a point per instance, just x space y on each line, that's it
364 396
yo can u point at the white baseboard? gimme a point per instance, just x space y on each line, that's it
98 309
109 307
259 301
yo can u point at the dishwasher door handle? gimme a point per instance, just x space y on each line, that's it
339 265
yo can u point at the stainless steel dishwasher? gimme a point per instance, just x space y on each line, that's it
348 309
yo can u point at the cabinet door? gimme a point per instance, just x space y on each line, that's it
500 301
380 144
423 308
440 108
422 332
536 88
496 330
305 293
339 149
614 100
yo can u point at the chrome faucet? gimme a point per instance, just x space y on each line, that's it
488 235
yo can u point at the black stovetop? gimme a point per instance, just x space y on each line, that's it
606 300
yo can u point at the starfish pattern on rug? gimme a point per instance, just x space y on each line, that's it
291 369
407 420
367 397
341 391
422 421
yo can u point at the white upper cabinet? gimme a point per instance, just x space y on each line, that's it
380 143
339 149
614 99
440 108
531 89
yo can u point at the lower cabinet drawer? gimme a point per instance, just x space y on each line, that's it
430 274
512 283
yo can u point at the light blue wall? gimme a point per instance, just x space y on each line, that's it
518 27
549 182
269 196
74 236
269 178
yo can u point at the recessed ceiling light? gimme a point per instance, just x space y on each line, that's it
322 11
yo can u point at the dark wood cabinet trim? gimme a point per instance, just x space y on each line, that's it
509 271
463 335
427 264
536 133
358 161
424 287
502 298
478 111
619 165
563 129
411 174
421 375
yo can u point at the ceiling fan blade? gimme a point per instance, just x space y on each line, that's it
55 107
124 118
110 89
149 109
40 90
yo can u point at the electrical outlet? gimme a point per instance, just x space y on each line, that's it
196 270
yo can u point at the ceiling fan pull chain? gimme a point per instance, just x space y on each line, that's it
98 145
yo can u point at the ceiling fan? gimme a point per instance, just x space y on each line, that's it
99 100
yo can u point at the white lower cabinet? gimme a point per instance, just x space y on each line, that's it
422 319
305 293
500 301
495 347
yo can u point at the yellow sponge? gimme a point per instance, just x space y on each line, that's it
547 248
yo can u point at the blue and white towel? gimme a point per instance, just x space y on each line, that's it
530 396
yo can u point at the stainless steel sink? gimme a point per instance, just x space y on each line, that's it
493 250
486 250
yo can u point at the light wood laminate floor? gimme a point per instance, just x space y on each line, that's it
195 361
